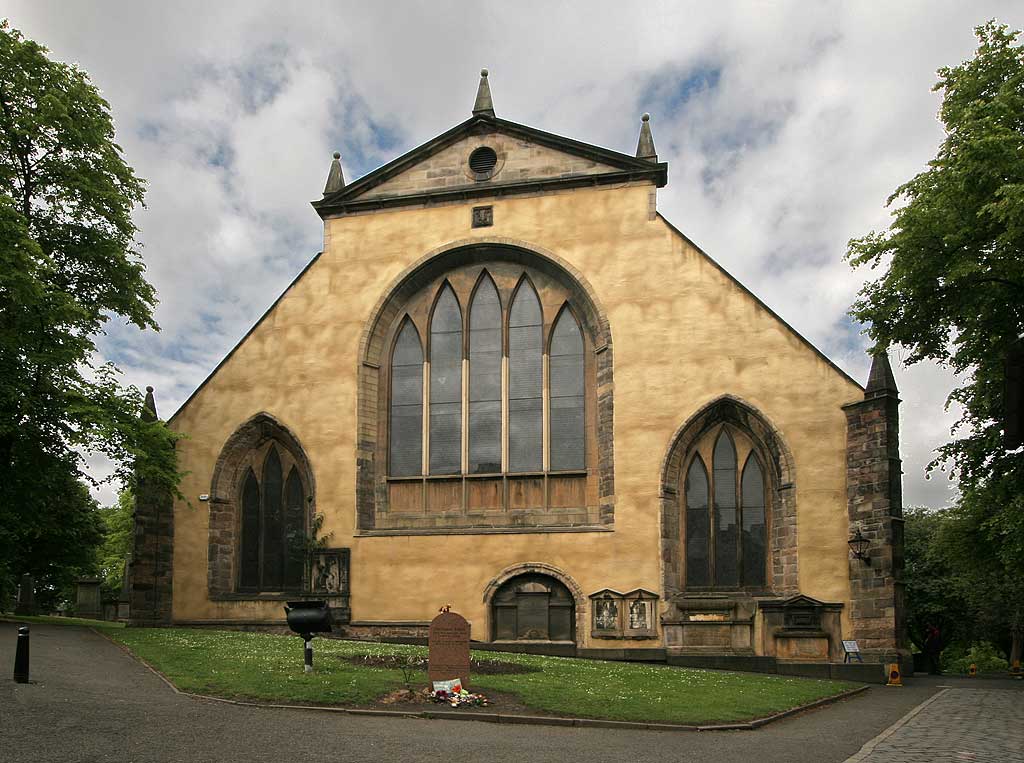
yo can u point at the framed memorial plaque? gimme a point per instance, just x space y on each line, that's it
852 651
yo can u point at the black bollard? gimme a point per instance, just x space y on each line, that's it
308 668
21 656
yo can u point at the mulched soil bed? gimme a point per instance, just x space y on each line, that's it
479 667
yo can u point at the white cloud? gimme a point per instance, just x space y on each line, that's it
231 110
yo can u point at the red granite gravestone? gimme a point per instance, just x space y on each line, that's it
448 641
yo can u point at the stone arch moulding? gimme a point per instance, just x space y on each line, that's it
224 496
779 467
539 568
371 486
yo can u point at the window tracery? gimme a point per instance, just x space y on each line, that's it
725 515
503 416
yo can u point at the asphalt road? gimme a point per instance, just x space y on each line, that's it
89 701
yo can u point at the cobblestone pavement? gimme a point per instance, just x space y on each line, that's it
958 724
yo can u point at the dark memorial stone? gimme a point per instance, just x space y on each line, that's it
449 648
26 603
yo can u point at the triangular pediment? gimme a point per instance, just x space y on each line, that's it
524 160
802 600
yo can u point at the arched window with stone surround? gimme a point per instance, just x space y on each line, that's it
511 432
273 523
725 514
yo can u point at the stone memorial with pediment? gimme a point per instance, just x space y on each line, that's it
448 641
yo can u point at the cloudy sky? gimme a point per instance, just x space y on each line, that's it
785 125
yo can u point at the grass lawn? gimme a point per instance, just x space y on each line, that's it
261 666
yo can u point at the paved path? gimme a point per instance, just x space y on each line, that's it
89 701
973 723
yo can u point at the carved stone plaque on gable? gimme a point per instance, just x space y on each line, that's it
448 641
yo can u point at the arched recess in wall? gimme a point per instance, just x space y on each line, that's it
780 478
524 571
470 266
241 471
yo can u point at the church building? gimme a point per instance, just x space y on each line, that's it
509 385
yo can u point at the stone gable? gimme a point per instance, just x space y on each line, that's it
518 161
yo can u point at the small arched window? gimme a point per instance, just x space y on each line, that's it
406 453
725 516
273 527
698 526
525 381
568 424
446 385
485 379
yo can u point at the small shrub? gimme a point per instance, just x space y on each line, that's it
984 655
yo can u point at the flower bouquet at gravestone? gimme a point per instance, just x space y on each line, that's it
452 693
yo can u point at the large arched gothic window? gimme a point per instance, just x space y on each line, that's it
503 414
273 522
725 516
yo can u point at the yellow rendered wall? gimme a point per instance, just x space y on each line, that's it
683 334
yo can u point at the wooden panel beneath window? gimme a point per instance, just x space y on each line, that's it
406 497
485 494
444 495
526 492
567 492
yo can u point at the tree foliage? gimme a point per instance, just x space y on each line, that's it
118 527
954 287
956 580
68 264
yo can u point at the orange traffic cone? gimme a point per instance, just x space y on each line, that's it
894 675
1015 669
972 672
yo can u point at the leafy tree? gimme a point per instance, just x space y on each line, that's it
118 526
933 586
956 581
68 264
953 286
987 578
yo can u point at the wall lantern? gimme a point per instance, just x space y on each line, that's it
859 545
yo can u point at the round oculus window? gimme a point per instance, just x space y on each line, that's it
482 162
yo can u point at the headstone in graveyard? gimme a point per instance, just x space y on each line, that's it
124 599
26 603
448 641
88 599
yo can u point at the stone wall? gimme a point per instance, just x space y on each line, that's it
151 569
152 565
518 161
875 506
